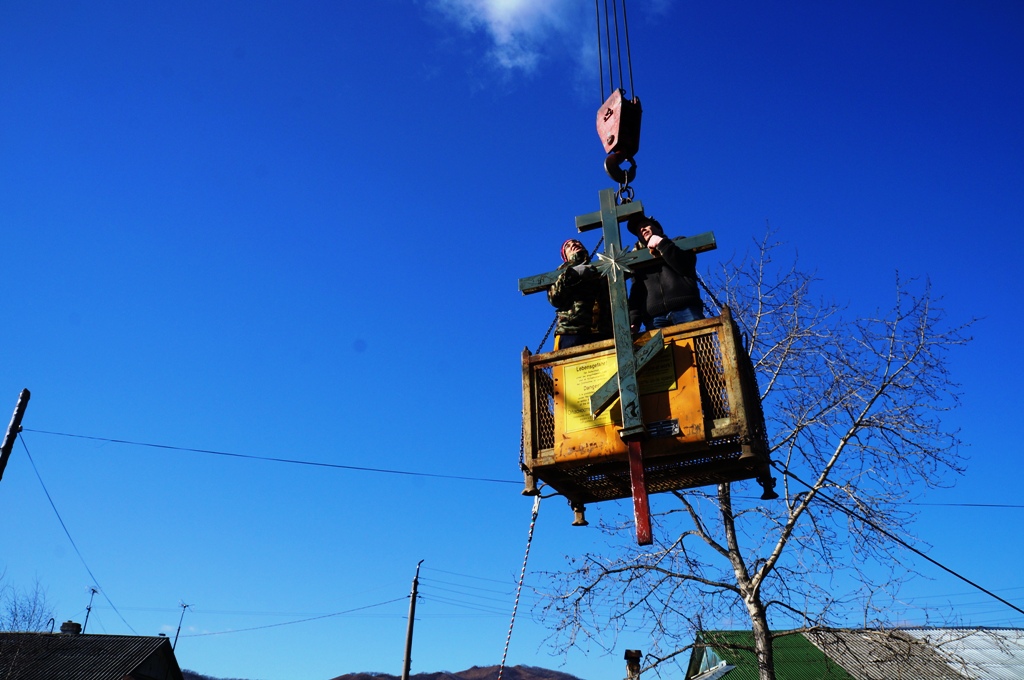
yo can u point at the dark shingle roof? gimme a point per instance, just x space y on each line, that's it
33 656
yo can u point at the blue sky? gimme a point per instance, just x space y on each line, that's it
294 230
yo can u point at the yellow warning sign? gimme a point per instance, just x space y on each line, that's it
579 381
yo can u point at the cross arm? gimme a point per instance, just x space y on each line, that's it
699 243
538 282
622 212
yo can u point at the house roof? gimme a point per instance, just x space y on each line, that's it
990 653
30 656
795 657
883 655
896 654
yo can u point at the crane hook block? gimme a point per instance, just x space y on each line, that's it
618 124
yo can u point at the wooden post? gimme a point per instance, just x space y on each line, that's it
13 429
641 504
412 619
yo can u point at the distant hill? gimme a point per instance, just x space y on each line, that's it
192 675
474 673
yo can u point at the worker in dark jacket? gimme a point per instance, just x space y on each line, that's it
664 290
580 294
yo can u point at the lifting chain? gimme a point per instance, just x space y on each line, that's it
624 194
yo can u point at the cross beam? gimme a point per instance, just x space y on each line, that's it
698 244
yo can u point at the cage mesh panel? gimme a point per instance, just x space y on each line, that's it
711 374
601 482
544 407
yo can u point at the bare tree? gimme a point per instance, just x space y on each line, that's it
853 408
24 609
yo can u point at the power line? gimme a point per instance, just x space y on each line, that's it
942 505
291 461
968 505
825 498
411 473
478 578
289 623
461 585
68 534
473 595
493 611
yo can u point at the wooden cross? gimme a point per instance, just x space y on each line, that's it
615 264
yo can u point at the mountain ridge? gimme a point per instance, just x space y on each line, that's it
474 673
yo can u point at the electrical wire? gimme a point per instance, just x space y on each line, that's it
486 590
502 600
289 623
938 505
415 474
493 611
291 461
824 497
455 573
68 534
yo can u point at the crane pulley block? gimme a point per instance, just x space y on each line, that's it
618 124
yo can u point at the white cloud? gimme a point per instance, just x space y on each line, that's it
520 31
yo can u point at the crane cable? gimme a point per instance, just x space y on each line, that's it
612 19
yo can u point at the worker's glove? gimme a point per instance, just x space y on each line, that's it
654 240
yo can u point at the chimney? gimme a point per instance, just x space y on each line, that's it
71 628
633 657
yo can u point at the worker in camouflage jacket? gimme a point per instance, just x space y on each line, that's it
580 294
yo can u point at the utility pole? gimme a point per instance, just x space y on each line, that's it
13 429
88 610
183 608
412 618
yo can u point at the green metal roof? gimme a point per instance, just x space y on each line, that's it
795 657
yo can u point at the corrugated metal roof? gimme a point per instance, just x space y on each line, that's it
883 655
31 656
979 653
897 654
795 657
